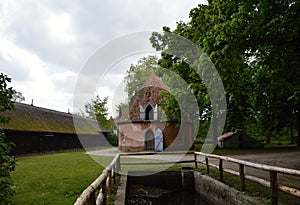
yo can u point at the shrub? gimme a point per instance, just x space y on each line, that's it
7 163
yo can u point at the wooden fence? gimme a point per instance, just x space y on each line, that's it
97 192
102 186
272 184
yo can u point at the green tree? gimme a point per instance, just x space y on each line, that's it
97 109
139 73
255 48
7 162
17 96
123 111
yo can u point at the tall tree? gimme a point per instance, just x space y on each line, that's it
7 162
139 73
255 48
97 109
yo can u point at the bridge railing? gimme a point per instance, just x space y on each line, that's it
273 170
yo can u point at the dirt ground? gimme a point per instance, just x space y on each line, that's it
280 159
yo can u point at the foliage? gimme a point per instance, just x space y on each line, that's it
97 109
139 73
123 111
6 94
255 47
17 96
112 139
7 163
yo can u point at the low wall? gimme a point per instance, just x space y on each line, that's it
216 192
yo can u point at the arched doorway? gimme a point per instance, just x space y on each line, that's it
149 140
149 113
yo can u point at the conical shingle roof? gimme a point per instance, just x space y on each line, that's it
155 81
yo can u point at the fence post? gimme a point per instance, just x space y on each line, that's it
221 170
196 163
118 163
113 171
104 191
273 185
109 181
92 199
207 166
242 177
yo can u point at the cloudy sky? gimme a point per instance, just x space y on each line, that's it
45 44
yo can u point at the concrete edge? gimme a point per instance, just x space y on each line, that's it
121 192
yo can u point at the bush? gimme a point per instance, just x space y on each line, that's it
7 163
112 139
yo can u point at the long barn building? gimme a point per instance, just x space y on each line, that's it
36 130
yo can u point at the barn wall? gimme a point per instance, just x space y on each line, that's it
39 142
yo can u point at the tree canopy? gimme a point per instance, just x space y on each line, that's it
97 109
255 47
139 73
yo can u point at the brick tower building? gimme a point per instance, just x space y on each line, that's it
146 130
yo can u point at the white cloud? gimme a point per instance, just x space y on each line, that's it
59 27
64 81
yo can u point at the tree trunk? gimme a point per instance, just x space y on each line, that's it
292 133
268 138
298 128
215 131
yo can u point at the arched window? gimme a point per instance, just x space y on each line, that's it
149 113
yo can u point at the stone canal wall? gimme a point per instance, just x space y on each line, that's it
216 192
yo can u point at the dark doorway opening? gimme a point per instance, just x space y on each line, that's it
149 140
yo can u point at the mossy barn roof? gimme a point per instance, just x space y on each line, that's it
31 118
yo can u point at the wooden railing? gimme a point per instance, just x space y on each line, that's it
272 184
97 192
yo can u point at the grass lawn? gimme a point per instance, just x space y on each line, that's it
55 178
